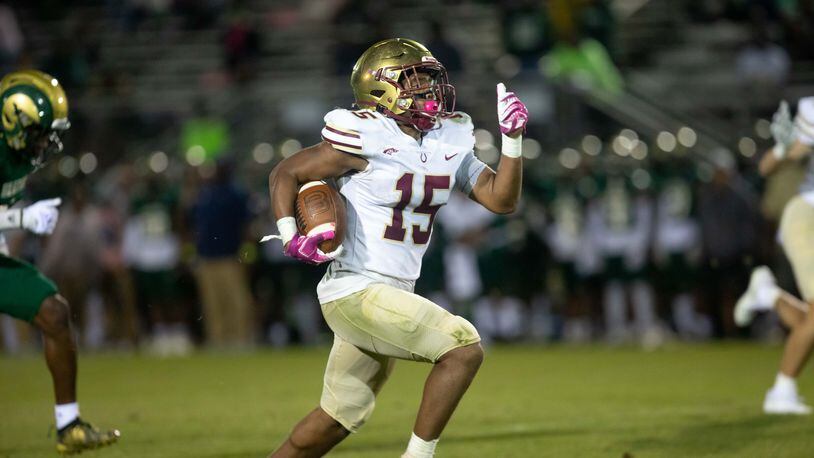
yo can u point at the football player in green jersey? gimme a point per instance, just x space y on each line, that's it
34 114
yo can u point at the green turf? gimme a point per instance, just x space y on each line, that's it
681 401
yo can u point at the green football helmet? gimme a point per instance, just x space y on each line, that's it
34 114
385 79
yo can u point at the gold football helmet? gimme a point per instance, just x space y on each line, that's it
34 114
401 79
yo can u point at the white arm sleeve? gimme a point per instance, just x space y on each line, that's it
11 219
804 121
468 172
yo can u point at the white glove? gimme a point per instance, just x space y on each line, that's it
783 130
41 217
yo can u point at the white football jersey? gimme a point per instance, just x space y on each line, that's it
804 123
392 204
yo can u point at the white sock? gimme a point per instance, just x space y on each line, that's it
767 296
419 448
784 383
66 413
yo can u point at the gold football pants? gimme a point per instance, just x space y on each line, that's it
373 328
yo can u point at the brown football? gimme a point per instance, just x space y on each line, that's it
318 204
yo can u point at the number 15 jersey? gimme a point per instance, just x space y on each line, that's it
392 204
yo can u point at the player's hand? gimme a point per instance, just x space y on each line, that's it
783 130
41 217
512 114
306 247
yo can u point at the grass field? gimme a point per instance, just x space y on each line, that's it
681 401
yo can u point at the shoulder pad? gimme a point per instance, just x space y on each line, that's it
342 131
458 130
461 119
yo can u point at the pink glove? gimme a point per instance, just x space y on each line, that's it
512 114
306 247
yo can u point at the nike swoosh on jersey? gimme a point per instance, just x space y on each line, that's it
449 157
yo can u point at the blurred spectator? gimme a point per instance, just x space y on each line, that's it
499 318
677 250
357 25
198 14
728 232
465 224
446 52
241 45
575 259
623 224
116 283
583 63
71 255
68 63
221 217
525 31
11 39
798 17
151 247
761 63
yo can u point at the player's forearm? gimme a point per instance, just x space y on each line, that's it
768 163
505 189
282 190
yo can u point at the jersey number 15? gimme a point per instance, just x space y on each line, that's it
396 230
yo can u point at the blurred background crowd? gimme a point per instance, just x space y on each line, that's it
642 212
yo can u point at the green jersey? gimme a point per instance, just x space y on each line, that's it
14 171
24 287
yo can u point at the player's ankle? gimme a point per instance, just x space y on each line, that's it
785 384
419 448
66 414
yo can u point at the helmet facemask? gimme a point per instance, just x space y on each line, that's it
42 145
424 93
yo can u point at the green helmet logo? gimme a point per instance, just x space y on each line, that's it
34 112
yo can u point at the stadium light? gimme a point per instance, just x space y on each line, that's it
263 153
88 163
570 158
196 155
639 150
763 128
591 144
289 147
488 154
666 141
641 179
687 137
630 134
68 166
747 147
531 148
158 162
621 145
483 138
507 66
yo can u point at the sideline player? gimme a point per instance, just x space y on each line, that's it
34 115
396 160
793 141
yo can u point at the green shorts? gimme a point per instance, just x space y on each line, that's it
22 288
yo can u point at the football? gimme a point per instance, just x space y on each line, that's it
319 204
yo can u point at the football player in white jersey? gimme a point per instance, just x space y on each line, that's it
396 159
794 140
